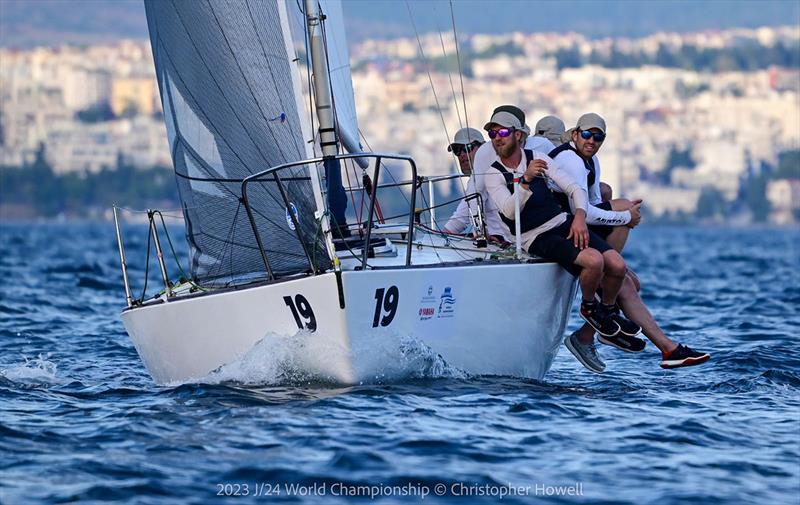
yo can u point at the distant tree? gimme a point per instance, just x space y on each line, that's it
495 50
755 195
49 194
130 110
676 158
43 185
568 58
96 113
711 203
788 165
680 158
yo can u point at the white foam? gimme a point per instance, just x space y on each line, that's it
311 358
34 371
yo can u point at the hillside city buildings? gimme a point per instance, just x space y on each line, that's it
88 105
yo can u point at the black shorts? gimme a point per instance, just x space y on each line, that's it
553 245
602 230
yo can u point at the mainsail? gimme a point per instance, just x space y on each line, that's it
233 106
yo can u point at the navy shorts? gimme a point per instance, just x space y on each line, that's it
553 245
602 230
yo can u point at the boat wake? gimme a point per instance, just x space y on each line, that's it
35 371
310 358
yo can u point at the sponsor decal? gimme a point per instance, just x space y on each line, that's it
447 303
427 305
289 216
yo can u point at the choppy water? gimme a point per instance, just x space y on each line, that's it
82 421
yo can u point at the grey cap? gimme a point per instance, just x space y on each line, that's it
467 136
514 111
551 128
591 120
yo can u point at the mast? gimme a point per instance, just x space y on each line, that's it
337 198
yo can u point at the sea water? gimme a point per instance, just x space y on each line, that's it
81 420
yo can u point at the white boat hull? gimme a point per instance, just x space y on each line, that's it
486 318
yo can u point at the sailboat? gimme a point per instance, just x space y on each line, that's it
261 122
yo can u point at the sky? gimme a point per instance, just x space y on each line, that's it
26 23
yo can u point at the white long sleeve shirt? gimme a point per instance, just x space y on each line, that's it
461 219
493 182
569 162
541 144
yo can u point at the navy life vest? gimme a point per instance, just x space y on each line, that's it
562 198
540 208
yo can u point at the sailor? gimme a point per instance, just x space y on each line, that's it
546 134
546 230
579 157
614 219
465 144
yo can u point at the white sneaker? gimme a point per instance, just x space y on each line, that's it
585 353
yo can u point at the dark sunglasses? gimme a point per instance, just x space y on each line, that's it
459 149
503 132
598 137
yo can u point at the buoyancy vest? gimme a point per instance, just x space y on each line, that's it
540 207
562 198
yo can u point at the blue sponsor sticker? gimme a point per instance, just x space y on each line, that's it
447 303
289 216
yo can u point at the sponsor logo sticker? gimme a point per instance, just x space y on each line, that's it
447 303
289 221
427 305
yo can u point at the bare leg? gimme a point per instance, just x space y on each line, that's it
613 276
585 334
635 279
591 263
618 237
606 193
634 309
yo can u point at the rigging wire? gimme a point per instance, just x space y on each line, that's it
146 268
458 59
446 66
455 95
428 71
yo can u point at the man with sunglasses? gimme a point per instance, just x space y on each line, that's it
612 220
464 146
546 230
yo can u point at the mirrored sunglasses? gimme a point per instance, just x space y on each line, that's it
502 132
598 137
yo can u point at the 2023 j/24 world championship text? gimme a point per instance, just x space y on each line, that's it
411 489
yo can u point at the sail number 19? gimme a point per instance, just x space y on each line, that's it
385 301
301 309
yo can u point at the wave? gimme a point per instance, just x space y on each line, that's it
311 359
39 370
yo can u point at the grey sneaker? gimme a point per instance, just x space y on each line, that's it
586 354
